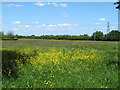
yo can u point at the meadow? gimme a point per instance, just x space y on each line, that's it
36 63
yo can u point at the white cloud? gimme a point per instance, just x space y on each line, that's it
52 25
113 27
12 5
42 25
27 26
97 23
48 3
19 5
57 25
16 22
35 22
63 5
102 19
53 4
15 29
40 4
50 29
8 5
63 25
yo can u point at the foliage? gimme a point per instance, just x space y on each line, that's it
117 3
11 62
1 34
80 64
10 35
98 35
113 35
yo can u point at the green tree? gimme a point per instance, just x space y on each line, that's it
84 37
98 35
117 3
10 35
16 36
1 35
114 35
32 36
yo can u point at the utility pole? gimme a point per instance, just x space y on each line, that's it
94 34
108 27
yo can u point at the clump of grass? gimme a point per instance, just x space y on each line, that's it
12 60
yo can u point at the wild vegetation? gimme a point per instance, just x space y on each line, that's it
60 64
63 61
114 35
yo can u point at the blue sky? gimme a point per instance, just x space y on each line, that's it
61 18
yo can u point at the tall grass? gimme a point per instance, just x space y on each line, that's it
73 65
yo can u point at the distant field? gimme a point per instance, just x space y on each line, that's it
60 64
22 43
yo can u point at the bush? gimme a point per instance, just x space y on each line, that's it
11 62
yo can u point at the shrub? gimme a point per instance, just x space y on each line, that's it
11 62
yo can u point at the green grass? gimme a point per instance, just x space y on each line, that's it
60 64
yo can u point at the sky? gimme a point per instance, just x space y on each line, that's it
58 18
59 0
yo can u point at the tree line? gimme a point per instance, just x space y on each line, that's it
114 35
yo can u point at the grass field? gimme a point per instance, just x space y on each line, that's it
60 64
